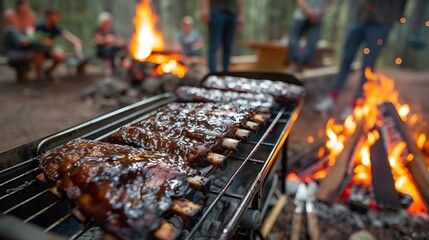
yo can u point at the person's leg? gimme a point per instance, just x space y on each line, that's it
39 60
295 34
375 38
215 33
228 40
57 56
354 38
313 34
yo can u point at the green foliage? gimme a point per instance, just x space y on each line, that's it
264 20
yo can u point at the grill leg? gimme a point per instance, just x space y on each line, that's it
284 166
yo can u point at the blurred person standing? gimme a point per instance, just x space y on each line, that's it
374 21
191 41
306 20
108 43
26 20
223 17
50 30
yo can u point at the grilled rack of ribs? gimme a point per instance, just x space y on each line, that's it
260 101
125 189
281 91
190 130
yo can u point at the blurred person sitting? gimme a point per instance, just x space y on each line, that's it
16 46
108 43
307 19
50 30
190 40
26 20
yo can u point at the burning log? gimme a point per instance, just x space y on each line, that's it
359 199
417 166
383 184
310 151
336 179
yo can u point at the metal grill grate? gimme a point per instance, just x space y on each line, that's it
23 196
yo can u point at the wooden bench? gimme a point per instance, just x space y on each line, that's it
21 69
326 71
274 55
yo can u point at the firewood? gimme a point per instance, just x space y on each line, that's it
417 166
273 216
312 149
383 184
331 187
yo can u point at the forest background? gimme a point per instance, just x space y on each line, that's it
265 20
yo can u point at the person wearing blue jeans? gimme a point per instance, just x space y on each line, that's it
223 18
307 20
298 29
374 35
374 21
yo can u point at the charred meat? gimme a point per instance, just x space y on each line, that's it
126 190
189 130
262 102
281 91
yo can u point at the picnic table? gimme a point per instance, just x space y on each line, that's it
274 54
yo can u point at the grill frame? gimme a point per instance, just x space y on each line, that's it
22 161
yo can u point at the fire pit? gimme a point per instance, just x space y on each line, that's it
149 58
373 164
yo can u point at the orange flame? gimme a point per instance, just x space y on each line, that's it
377 89
147 39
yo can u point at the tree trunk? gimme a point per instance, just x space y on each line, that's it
1 23
108 6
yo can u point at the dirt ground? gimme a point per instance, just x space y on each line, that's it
29 112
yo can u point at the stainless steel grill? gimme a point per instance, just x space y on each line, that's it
251 177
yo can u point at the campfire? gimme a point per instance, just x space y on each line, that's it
376 158
152 68
147 44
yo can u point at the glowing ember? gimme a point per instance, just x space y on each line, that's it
421 139
366 51
398 61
